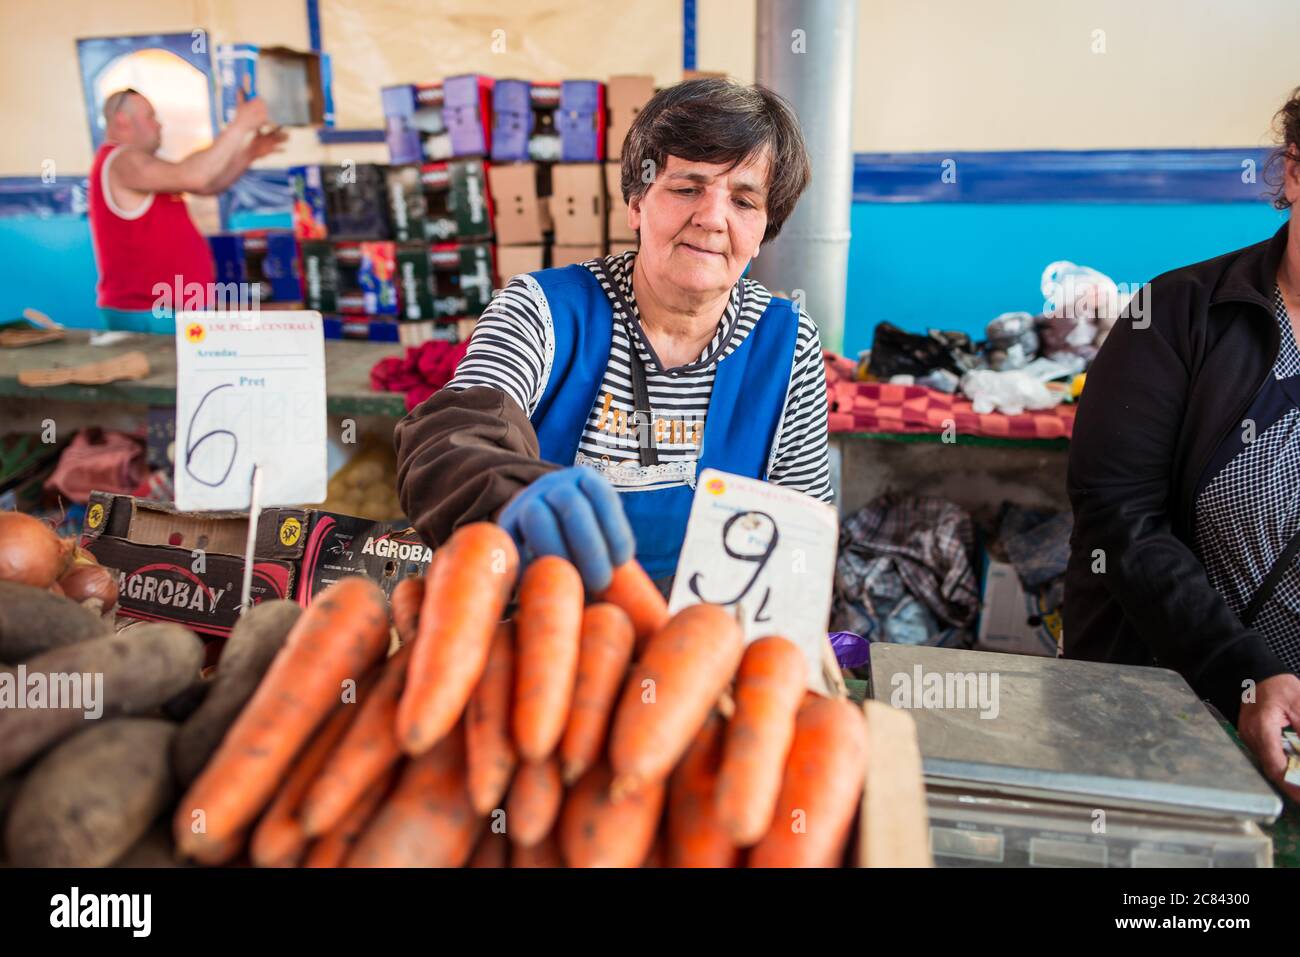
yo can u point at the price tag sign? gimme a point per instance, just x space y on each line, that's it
250 391
768 552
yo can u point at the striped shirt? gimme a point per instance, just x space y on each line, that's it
513 347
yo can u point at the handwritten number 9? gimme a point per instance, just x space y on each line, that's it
751 522
192 448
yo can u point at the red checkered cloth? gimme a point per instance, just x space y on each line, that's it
880 407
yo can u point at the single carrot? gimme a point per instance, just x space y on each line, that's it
405 602
368 749
603 656
220 854
545 853
493 851
548 633
769 690
633 591
490 750
656 858
821 789
427 821
338 638
534 801
464 598
686 666
695 836
331 849
596 831
279 839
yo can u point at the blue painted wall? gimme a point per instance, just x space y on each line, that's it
957 265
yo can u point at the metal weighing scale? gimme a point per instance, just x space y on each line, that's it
1083 764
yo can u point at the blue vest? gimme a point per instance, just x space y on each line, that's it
745 407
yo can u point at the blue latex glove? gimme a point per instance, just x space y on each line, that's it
576 514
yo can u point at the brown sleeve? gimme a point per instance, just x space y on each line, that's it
462 454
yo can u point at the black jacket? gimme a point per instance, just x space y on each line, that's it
1159 400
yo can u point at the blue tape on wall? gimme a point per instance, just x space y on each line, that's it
688 34
1061 176
31 196
350 136
313 24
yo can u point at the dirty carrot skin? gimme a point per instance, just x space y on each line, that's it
595 831
427 820
368 749
465 596
695 836
493 850
545 853
220 854
534 801
603 656
769 690
632 590
821 790
490 749
338 638
548 632
686 666
279 839
655 859
331 849
405 604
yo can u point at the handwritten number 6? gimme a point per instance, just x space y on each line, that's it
193 447
759 560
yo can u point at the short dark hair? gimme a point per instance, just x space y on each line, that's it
1286 127
713 120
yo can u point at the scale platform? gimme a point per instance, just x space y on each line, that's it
1063 741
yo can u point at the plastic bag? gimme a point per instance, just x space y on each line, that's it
1011 340
1010 393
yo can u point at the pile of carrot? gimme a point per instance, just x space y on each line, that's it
602 734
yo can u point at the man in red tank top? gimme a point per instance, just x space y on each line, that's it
151 257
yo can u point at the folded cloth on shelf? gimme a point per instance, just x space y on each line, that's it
99 460
1036 542
905 568
424 370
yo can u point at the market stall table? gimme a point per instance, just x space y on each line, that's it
347 373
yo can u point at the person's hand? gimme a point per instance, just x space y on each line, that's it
576 514
1260 724
250 114
264 144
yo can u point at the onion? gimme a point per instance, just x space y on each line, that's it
90 581
30 552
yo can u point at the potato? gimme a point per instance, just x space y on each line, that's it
132 672
155 849
88 801
252 645
34 620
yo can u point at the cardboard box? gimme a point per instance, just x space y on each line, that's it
340 202
626 96
566 255
350 278
578 204
462 278
294 84
516 260
467 113
581 121
414 127
156 552
340 545
1011 619
189 567
440 202
512 120
544 145
688 75
620 247
517 217
618 227
267 258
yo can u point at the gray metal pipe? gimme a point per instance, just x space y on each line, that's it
805 52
